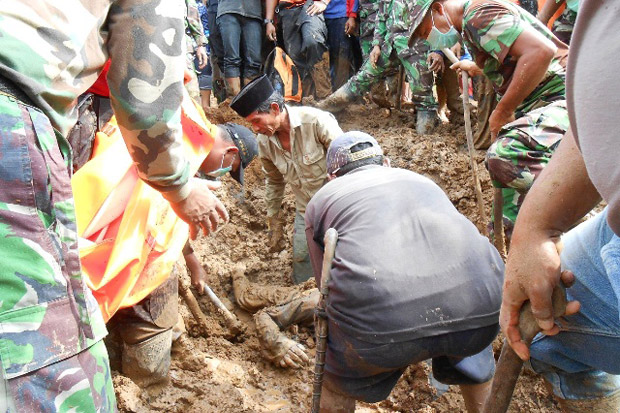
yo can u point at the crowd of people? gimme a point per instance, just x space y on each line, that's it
112 91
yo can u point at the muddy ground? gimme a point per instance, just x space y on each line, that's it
223 375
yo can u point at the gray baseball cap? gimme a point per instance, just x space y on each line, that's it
339 152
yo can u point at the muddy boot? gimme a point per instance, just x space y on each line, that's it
338 100
233 85
425 121
147 363
606 404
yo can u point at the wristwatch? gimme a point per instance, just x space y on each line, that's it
267 21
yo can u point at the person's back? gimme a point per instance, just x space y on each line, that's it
408 264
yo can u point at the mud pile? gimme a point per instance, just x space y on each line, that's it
221 375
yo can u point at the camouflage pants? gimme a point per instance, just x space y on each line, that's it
412 58
51 352
563 26
522 150
81 383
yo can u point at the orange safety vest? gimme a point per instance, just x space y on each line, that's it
129 235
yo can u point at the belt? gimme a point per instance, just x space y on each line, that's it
8 88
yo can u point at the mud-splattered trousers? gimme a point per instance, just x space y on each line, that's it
304 37
391 35
51 349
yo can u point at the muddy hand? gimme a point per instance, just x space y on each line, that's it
295 357
201 210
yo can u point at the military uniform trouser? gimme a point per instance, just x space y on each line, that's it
53 357
522 150
412 58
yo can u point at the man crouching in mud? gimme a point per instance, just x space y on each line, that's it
412 279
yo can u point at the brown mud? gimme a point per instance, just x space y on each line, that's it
231 376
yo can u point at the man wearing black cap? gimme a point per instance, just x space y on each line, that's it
413 279
292 143
146 329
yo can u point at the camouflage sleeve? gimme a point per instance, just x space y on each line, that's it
494 27
194 24
380 24
145 44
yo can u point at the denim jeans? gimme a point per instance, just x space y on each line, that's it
344 52
215 40
582 361
242 39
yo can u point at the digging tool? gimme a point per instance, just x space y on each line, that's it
234 326
498 222
469 134
509 364
330 239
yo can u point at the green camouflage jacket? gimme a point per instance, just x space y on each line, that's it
55 53
393 20
489 30
193 26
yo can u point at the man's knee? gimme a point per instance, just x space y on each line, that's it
504 167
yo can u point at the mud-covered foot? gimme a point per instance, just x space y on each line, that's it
337 101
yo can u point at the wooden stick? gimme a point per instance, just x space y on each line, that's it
470 138
498 222
509 364
193 306
331 237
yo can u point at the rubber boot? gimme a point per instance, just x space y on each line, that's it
606 404
147 363
338 100
233 85
425 121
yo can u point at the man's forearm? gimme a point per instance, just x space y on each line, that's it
270 8
562 194
529 72
548 10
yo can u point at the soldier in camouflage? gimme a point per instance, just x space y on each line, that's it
564 24
51 330
196 44
390 49
528 73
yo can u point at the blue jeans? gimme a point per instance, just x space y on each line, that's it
242 38
344 52
582 361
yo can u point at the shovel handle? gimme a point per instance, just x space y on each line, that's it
509 364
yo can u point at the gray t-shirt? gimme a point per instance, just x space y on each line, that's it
247 8
593 97
407 263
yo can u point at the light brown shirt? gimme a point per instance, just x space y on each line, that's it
304 167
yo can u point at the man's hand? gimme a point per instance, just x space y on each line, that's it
350 27
375 53
203 58
295 357
532 272
498 119
270 32
435 62
317 8
201 208
276 232
469 66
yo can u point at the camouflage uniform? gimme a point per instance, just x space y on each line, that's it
393 25
195 37
523 147
563 26
51 329
367 12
